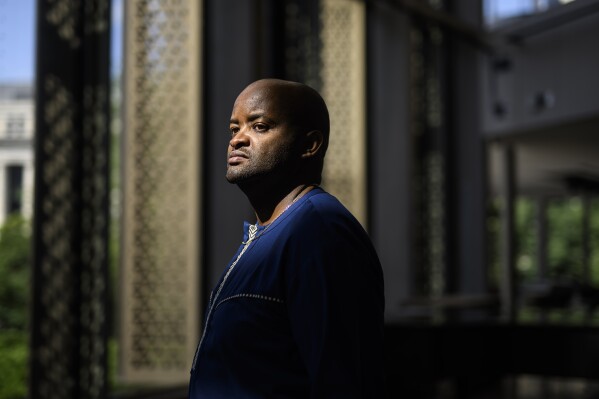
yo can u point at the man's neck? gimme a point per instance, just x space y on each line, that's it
269 203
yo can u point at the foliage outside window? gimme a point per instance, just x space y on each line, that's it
15 258
565 269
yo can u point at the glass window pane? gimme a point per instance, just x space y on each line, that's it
17 35
498 11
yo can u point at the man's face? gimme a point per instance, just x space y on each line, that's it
262 142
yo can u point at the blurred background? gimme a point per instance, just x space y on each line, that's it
465 138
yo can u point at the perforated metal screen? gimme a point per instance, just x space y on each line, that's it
343 88
159 300
428 129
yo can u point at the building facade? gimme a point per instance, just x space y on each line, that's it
16 150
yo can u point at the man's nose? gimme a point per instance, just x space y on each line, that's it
240 139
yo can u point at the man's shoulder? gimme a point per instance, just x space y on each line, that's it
322 214
323 227
325 208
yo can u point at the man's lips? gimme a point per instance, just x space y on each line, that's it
236 157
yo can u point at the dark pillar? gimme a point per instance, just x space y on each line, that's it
541 225
586 239
231 63
70 240
508 250
467 172
390 149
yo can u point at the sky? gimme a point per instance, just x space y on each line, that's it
17 36
17 40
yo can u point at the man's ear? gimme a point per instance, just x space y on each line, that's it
312 143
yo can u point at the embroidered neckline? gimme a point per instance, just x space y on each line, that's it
255 227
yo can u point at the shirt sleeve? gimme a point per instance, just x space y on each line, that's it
335 305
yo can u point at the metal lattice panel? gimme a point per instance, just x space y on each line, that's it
302 44
64 16
94 246
69 323
427 122
343 88
160 279
57 328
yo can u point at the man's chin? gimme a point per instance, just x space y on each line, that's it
231 179
234 177
245 178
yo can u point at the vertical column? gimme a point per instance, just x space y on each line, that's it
391 151
587 274
303 43
224 205
466 153
160 274
541 227
428 127
69 320
29 171
586 235
343 87
508 249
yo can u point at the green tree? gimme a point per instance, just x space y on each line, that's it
525 239
15 256
13 364
564 246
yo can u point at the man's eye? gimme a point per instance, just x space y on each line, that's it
233 130
260 127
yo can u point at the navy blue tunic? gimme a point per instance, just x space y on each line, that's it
299 314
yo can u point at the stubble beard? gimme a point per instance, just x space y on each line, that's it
249 172
238 174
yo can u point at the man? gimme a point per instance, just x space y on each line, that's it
298 313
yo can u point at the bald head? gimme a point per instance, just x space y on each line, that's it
303 107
